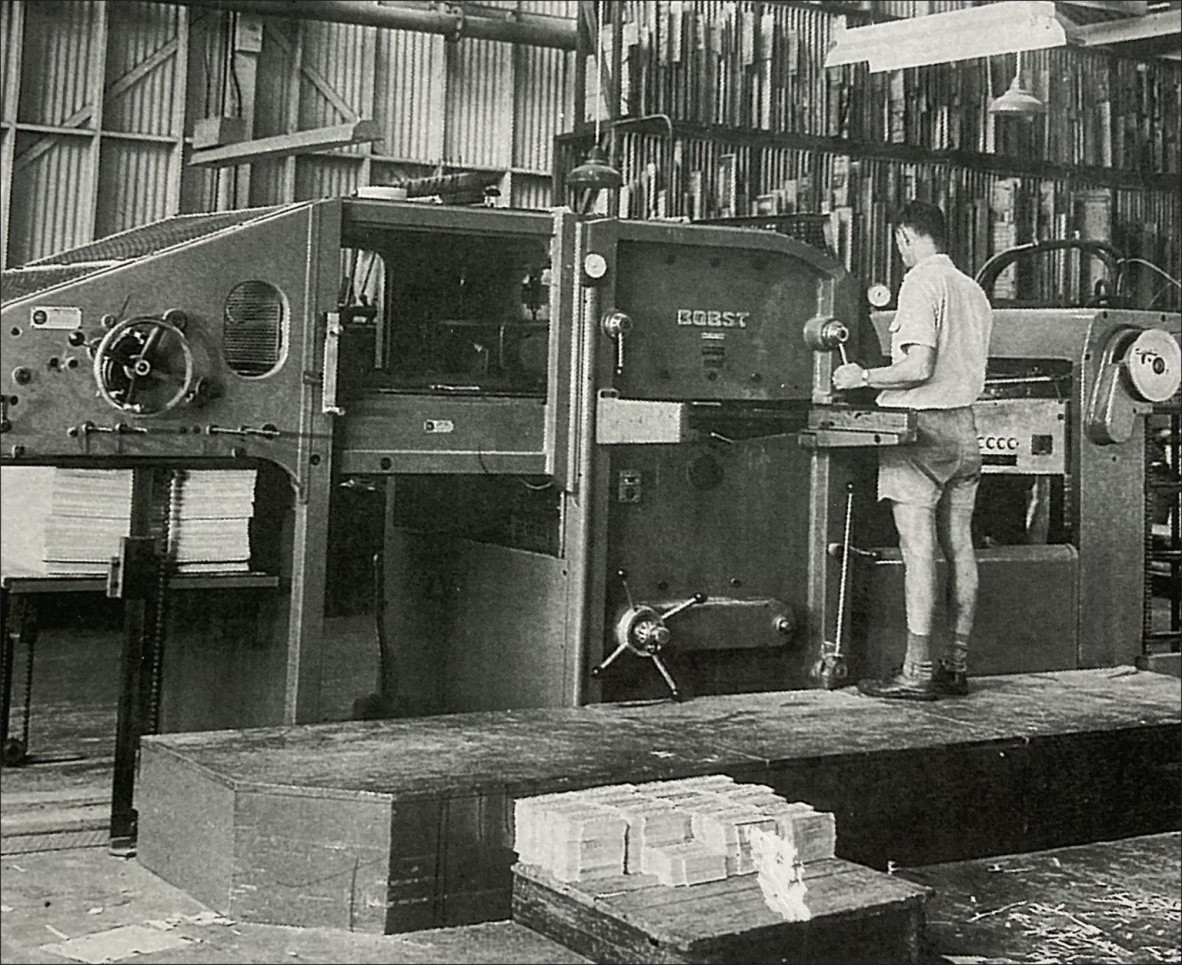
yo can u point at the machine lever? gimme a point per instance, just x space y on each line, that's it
615 326
623 575
684 605
831 667
660 665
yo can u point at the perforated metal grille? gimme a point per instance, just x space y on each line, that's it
254 328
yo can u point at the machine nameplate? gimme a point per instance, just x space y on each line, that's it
57 317
1024 436
712 318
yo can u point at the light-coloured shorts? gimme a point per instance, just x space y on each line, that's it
944 462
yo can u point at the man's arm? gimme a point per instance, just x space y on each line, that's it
915 368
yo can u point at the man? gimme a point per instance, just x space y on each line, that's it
939 346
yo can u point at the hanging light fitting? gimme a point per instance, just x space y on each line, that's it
1017 100
594 172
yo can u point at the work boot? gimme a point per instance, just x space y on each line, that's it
954 683
900 687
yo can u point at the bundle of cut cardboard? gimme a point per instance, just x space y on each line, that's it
90 511
684 832
209 531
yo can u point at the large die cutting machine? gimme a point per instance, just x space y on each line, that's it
587 460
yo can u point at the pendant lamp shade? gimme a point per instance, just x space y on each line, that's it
594 173
1017 100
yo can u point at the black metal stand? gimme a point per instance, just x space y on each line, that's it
19 621
134 580
6 684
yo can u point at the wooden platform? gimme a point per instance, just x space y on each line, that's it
1111 901
858 915
406 824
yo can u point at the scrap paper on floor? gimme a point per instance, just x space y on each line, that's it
780 875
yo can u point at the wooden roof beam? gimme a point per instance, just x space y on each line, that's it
1166 23
319 139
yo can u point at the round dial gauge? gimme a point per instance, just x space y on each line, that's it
595 265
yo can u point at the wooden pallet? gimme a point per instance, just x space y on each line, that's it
858 915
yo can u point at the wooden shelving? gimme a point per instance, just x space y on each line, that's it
725 110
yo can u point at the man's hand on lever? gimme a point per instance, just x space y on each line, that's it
849 376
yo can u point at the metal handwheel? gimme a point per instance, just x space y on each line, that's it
144 366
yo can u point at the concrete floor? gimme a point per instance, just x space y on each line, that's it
85 904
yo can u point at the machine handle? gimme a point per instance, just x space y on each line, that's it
332 355
684 605
616 325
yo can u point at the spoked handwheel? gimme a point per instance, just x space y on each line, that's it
144 366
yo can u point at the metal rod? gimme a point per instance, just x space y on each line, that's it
660 665
845 564
529 29
582 482
1022 379
684 605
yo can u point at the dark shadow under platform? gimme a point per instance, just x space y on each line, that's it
391 826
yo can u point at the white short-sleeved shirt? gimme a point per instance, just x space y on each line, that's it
943 308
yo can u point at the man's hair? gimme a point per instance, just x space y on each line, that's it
924 219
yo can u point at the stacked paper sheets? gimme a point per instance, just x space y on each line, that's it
209 515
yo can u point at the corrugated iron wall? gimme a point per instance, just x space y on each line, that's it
479 105
138 93
60 46
411 86
101 98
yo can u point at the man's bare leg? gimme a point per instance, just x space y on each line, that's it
955 532
917 543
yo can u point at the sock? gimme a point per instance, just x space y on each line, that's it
918 662
958 653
